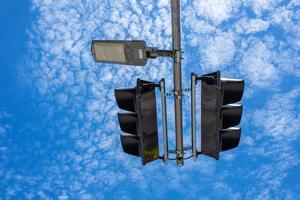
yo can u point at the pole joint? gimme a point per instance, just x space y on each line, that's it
178 93
180 157
177 56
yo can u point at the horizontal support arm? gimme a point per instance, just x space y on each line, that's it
153 52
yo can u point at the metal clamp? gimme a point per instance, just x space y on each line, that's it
184 148
169 94
175 93
187 89
178 93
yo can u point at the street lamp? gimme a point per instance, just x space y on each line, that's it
120 52
125 52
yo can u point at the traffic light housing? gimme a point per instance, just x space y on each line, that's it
220 113
139 124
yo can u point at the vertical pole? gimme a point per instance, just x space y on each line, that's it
164 118
175 11
193 111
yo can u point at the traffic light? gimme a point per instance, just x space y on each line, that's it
220 113
139 124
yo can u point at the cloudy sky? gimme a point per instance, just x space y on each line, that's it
59 135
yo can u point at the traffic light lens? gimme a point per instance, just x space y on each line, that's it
230 138
130 144
126 98
231 115
128 122
232 90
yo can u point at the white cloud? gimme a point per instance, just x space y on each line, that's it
218 51
66 76
257 65
217 11
261 6
287 19
287 61
281 16
195 26
89 155
5 125
250 26
248 140
2 130
163 3
277 131
294 3
281 118
62 98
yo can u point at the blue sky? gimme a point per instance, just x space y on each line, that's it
59 135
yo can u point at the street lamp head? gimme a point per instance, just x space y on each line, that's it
120 52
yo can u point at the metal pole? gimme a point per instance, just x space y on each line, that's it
193 111
164 118
175 11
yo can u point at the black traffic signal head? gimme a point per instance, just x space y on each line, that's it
220 113
140 122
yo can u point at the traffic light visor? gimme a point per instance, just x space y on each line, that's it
130 144
231 115
230 138
128 122
232 90
126 98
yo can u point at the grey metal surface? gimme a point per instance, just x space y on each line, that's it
122 52
153 52
210 116
175 11
164 119
193 114
147 120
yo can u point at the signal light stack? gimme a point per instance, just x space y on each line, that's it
220 112
140 123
